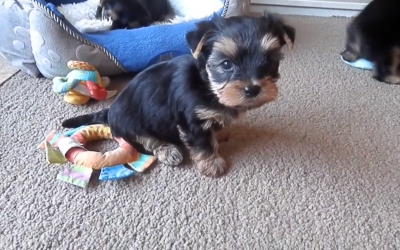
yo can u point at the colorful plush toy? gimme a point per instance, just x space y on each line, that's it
113 165
82 83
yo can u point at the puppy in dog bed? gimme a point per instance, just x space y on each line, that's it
100 15
93 16
131 14
185 101
373 41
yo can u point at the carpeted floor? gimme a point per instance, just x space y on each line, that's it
6 71
318 169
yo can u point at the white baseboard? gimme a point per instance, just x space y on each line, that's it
325 8
303 11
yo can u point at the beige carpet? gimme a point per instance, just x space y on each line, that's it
318 169
6 71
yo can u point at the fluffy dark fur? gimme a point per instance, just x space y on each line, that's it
374 35
131 14
185 101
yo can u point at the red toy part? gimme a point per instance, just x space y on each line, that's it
97 92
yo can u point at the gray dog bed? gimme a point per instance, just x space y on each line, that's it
37 39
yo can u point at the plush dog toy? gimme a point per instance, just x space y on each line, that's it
82 83
66 147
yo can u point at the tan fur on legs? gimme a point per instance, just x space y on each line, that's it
212 117
213 166
394 69
167 154
392 79
208 164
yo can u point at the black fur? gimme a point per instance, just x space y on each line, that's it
374 35
131 14
161 101
155 102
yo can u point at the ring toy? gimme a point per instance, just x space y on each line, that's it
71 148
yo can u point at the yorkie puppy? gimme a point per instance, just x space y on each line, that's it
185 101
374 35
132 14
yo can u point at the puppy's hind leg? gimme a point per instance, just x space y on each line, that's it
167 154
387 67
203 148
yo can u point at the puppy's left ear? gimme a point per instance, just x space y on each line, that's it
196 38
286 33
289 35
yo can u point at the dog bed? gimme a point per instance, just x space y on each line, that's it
37 39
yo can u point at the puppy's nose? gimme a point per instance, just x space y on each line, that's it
252 91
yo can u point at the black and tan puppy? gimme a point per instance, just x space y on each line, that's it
132 14
185 101
374 35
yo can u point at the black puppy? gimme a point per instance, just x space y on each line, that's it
374 35
185 101
131 14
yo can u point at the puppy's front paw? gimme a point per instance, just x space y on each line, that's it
212 167
169 156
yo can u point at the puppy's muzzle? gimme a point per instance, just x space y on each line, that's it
252 90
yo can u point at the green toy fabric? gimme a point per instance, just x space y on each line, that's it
54 156
77 175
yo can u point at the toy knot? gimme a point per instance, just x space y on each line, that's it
62 85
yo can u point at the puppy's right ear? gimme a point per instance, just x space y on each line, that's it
196 38
285 32
289 35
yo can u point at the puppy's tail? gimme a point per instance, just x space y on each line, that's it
100 117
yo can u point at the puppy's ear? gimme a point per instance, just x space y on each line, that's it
289 35
275 22
196 38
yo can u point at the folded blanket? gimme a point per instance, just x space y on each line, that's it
139 48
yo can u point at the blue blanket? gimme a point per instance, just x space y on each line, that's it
139 48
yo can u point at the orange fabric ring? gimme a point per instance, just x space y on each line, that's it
73 148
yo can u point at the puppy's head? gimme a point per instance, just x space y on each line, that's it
352 50
125 14
240 56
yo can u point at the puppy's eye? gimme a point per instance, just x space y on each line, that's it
227 65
